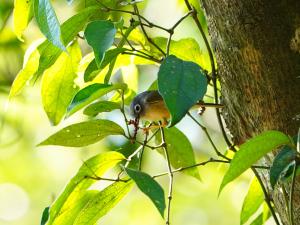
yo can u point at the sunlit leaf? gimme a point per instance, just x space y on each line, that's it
58 87
182 84
100 36
84 133
45 216
252 201
186 49
130 75
99 107
251 151
31 63
69 30
180 151
280 164
48 23
90 94
75 191
149 187
102 203
128 97
23 12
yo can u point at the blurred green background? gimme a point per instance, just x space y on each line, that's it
31 177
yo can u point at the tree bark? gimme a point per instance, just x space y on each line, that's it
257 48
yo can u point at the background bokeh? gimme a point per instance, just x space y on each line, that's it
31 177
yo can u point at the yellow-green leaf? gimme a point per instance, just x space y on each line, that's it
23 12
75 191
58 87
84 133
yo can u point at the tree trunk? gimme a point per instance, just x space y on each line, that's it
257 47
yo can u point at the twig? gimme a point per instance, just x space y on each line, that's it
291 206
208 136
142 56
142 151
106 179
170 174
123 112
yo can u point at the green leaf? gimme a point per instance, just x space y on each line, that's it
252 201
149 187
69 30
84 133
251 151
58 87
102 106
100 36
23 12
91 93
110 55
180 151
26 73
48 22
280 164
102 203
186 49
45 216
182 84
77 188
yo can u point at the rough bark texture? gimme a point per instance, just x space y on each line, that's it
257 47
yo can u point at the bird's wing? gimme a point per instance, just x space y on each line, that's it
153 97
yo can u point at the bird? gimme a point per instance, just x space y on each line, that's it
150 106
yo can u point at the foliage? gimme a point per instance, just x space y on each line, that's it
70 83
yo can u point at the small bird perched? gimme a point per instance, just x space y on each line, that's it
149 105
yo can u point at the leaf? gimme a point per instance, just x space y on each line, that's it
108 57
186 49
100 204
252 201
180 151
26 73
58 87
102 106
69 30
48 23
91 93
280 164
100 36
84 133
251 151
45 216
77 188
182 84
149 187
23 12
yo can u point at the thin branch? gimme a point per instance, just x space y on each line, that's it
291 206
123 113
106 179
267 197
142 56
208 136
142 151
170 173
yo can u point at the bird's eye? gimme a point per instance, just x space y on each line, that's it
137 108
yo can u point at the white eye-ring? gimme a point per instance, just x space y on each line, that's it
137 108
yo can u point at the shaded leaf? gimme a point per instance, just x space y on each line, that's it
76 189
149 187
58 87
180 151
111 54
45 216
280 164
181 84
102 106
100 36
252 201
101 203
84 133
69 29
23 12
48 23
251 151
91 93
